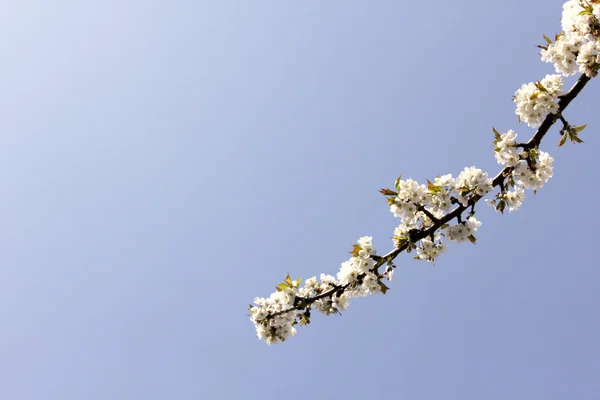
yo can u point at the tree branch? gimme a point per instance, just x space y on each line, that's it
498 180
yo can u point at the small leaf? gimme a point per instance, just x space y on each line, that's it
547 39
288 280
510 181
281 287
432 187
355 249
501 206
304 317
496 134
472 239
562 140
388 192
579 128
540 87
397 183
383 287
575 139
401 240
533 153
297 282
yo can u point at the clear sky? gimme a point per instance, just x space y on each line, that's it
163 163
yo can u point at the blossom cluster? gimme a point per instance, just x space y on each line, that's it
529 170
422 206
535 100
577 48
275 317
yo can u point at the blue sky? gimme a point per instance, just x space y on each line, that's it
163 163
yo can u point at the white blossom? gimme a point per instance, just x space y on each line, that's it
576 49
534 101
576 24
589 58
278 328
440 201
534 178
410 193
462 230
514 198
506 152
472 181
563 54
429 250
390 273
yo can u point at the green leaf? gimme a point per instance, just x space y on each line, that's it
562 140
540 87
432 187
397 183
579 128
304 317
287 283
510 182
472 239
355 249
384 288
547 39
574 138
401 240
288 280
297 282
586 12
388 192
533 153
496 134
501 206
282 286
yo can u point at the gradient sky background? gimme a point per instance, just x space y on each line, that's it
163 163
